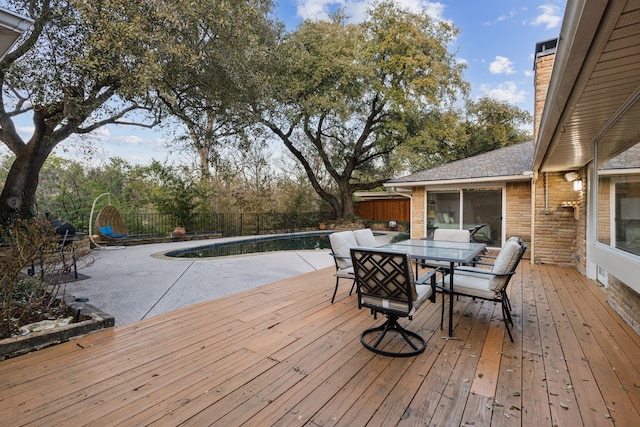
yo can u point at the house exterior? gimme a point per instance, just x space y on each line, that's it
577 203
12 26
493 188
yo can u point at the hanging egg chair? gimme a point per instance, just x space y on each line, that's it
109 224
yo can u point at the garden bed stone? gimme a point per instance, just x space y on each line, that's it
92 319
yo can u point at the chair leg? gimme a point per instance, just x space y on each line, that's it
335 290
506 317
415 341
505 298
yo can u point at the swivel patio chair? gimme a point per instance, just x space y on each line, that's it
386 285
488 283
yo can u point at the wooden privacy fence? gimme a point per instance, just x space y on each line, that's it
384 210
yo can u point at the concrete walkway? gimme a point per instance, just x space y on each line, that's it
137 282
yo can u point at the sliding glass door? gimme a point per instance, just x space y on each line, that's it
467 209
484 206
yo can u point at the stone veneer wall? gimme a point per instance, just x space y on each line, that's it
625 301
555 226
518 219
418 216
543 66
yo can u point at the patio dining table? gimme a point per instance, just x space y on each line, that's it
439 250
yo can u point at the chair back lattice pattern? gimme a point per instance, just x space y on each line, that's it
109 216
385 281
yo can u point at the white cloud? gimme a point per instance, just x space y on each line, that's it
507 91
512 14
314 9
356 9
501 65
549 16
25 132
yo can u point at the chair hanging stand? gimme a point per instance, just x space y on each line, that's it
108 224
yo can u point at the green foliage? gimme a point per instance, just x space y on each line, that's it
86 64
492 124
347 96
175 192
400 237
448 135
214 72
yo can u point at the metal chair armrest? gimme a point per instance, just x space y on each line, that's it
429 275
339 256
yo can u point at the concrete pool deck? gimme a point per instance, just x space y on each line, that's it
137 282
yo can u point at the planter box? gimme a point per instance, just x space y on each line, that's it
16 346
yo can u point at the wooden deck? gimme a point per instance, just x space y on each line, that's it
283 355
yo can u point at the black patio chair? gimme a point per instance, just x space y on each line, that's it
490 282
386 285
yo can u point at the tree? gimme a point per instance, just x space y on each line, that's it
435 143
203 89
448 135
347 95
175 192
492 124
82 66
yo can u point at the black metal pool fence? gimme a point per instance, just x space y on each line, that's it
148 225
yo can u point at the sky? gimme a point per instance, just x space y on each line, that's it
496 43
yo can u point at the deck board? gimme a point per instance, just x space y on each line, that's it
283 355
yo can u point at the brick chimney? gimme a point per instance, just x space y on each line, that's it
542 65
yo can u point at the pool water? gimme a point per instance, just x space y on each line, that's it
256 245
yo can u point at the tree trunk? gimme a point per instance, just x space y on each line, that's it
203 156
18 198
348 209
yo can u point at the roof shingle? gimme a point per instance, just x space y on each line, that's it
507 161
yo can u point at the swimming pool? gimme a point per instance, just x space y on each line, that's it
290 242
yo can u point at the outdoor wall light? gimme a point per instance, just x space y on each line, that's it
571 176
575 178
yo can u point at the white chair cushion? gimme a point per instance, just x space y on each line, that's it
346 273
450 235
365 238
422 293
472 285
341 244
504 263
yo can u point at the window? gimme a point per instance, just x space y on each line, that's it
443 209
618 200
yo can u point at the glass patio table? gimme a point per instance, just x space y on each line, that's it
439 250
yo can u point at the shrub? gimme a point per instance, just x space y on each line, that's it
31 246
